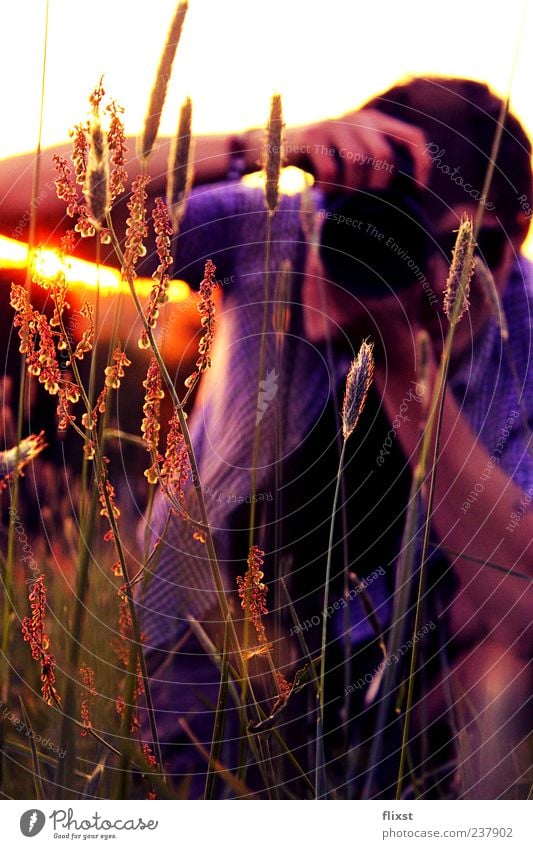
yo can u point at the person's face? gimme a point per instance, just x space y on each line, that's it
346 312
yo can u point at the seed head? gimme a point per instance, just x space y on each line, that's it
273 153
14 459
96 188
357 386
180 171
159 90
461 270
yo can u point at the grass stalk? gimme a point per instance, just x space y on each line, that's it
8 608
320 778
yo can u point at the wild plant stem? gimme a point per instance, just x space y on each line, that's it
102 478
5 672
322 675
257 429
213 561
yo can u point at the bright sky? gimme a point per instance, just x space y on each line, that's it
324 57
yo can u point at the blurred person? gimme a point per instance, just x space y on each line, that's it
435 137
483 616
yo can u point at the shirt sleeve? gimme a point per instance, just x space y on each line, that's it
209 230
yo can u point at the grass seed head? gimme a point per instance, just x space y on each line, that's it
159 90
96 190
461 270
273 153
357 386
180 171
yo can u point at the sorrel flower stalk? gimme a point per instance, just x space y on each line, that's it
195 476
116 143
159 292
206 308
113 375
34 633
88 682
358 383
252 593
159 90
151 426
175 467
136 228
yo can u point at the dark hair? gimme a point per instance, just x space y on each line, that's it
459 117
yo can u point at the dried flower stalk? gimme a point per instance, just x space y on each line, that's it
252 592
206 308
159 293
34 633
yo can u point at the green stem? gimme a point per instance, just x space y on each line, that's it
8 608
322 674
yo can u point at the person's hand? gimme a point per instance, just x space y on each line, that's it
356 150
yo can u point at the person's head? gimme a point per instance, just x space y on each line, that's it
460 119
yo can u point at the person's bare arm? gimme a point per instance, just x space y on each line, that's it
486 599
359 139
16 180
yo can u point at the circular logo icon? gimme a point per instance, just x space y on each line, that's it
32 822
